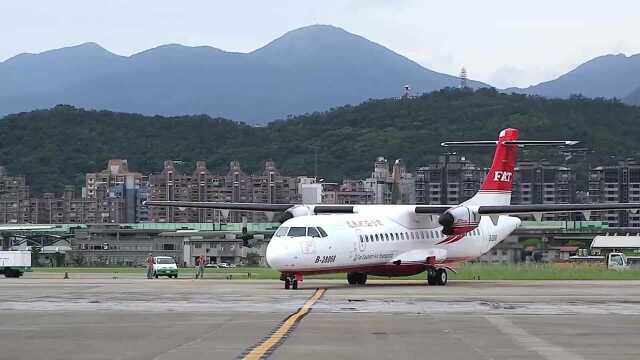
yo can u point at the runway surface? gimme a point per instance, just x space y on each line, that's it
102 318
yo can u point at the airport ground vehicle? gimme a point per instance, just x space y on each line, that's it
15 263
164 266
615 261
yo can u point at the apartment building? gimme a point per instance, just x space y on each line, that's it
541 182
616 183
452 180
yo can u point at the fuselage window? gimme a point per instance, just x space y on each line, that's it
361 238
297 231
397 238
407 235
366 238
413 236
282 231
322 232
401 236
313 232
377 238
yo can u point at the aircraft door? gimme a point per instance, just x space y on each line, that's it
358 244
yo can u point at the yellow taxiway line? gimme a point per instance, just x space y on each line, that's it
264 349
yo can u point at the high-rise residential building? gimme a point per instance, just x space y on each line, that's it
403 190
612 184
236 186
116 182
450 181
541 182
69 207
395 187
380 182
349 192
16 203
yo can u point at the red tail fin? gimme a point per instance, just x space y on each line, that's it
500 176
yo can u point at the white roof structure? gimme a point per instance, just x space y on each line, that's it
616 241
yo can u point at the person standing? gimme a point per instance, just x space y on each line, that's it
149 262
200 267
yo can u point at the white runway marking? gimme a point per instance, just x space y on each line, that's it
530 342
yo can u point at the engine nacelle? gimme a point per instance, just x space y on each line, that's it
459 220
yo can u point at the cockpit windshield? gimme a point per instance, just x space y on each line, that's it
313 232
300 232
282 231
297 231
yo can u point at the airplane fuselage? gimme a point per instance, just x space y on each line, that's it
394 244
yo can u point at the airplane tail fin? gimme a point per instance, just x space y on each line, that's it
497 185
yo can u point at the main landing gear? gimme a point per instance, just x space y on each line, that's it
291 280
437 276
355 278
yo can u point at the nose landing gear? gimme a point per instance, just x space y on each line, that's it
291 280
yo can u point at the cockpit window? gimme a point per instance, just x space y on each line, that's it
313 232
322 232
282 231
297 231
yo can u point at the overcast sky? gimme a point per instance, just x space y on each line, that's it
504 43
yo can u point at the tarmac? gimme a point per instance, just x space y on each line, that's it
98 317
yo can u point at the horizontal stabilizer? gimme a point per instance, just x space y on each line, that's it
519 143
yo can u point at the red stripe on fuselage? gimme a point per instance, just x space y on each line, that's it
382 269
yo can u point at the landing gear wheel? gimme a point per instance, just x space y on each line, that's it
441 277
431 278
352 278
287 283
294 285
362 279
355 278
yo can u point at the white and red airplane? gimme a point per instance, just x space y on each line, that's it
401 240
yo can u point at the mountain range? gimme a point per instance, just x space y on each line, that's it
608 76
309 69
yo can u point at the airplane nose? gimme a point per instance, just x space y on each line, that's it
271 254
282 255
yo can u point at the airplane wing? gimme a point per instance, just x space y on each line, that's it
221 205
26 227
317 209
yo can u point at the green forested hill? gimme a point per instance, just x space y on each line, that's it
56 147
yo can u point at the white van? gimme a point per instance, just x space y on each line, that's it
164 266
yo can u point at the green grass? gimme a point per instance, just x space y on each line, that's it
465 272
